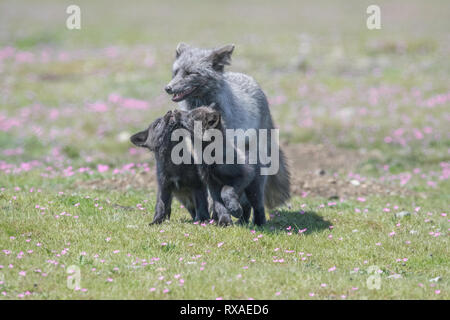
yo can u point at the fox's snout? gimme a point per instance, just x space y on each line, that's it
176 84
168 89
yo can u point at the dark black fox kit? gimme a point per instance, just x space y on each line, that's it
230 185
181 181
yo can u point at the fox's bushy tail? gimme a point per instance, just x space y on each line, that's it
278 186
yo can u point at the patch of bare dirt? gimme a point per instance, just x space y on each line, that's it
312 167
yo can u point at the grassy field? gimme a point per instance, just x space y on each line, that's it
363 118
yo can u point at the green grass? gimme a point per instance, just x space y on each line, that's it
240 268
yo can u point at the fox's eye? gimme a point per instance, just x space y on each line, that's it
175 72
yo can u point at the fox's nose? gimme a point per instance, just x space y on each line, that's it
168 89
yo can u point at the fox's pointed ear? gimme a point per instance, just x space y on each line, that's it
156 131
221 57
139 139
180 49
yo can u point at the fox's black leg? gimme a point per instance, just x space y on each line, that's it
255 195
246 209
201 205
163 205
191 209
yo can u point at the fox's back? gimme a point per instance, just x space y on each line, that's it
249 101
243 81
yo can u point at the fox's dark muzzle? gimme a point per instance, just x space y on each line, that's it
168 89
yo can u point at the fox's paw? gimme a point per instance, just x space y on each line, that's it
201 219
225 220
156 221
234 209
231 201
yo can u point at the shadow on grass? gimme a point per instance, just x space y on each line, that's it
286 221
293 221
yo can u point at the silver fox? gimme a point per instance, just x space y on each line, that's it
199 79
